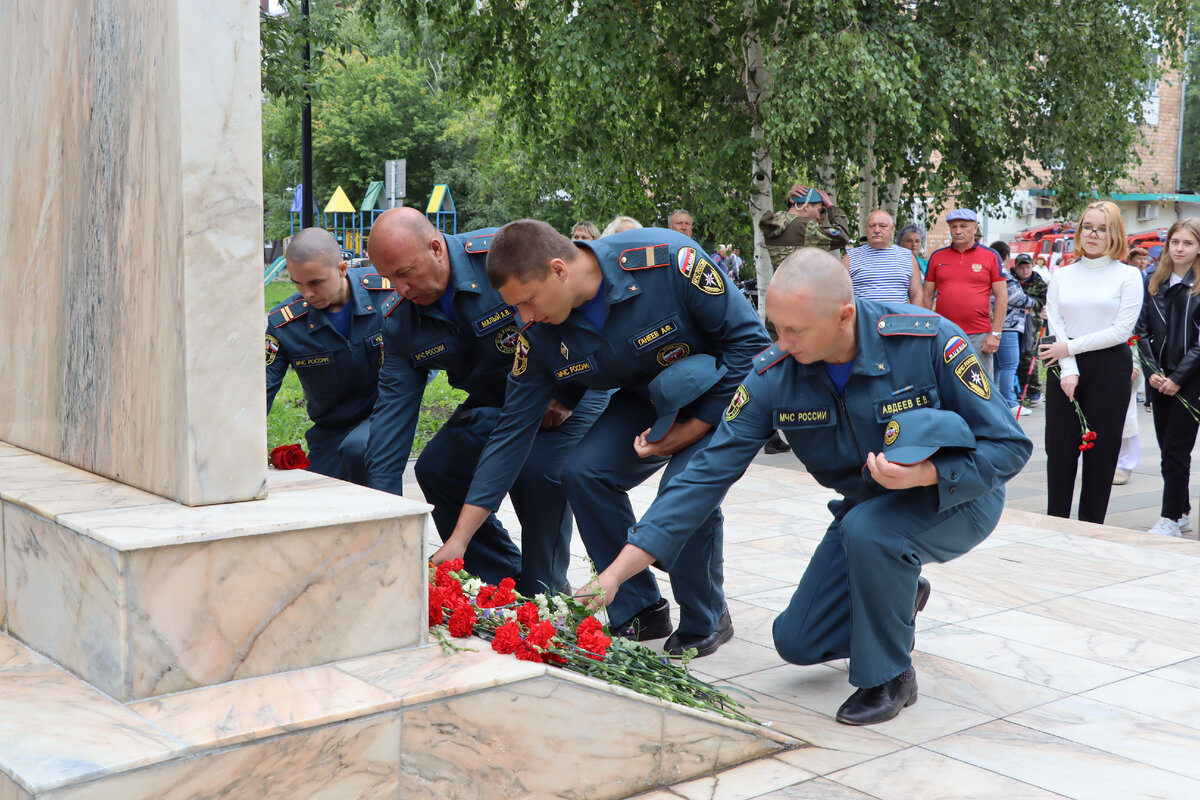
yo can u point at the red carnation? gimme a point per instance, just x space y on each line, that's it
540 634
289 456
527 615
504 592
507 638
1090 436
484 598
592 639
436 615
462 621
525 652
1134 339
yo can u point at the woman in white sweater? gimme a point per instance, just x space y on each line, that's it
1091 307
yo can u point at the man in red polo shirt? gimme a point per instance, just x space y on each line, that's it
964 278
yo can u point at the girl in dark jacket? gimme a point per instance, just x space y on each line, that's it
1169 342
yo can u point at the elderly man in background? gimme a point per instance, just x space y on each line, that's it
680 220
881 270
963 279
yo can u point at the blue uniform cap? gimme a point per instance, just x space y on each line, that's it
804 194
914 436
681 383
962 213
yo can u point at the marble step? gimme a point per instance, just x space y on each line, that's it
414 723
141 596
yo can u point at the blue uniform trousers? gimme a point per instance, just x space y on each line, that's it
856 597
602 469
444 471
340 454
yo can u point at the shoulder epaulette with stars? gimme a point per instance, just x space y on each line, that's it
656 255
478 244
282 316
376 281
769 358
908 325
389 305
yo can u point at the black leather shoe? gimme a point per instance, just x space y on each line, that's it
880 703
653 622
705 645
776 445
922 596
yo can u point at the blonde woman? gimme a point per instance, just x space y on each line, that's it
1091 307
1168 340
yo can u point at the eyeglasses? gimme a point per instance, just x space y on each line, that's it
1088 229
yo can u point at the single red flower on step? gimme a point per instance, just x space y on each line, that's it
289 456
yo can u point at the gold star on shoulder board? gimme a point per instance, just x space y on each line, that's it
927 324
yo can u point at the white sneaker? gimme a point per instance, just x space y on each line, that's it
1121 477
1185 522
1165 527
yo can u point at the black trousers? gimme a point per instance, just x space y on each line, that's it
1103 394
1176 429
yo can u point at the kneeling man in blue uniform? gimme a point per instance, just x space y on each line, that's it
888 405
612 315
330 332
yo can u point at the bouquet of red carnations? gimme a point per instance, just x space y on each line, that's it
557 629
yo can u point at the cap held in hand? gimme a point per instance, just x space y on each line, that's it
679 385
914 436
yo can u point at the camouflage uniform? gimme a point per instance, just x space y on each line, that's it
784 231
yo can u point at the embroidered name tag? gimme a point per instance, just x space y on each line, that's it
649 337
493 318
428 353
892 407
803 417
312 361
571 370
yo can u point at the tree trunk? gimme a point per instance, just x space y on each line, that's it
891 198
755 79
868 187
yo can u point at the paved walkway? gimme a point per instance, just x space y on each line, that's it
1058 659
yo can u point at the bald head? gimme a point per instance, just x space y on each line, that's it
398 227
810 300
408 250
314 246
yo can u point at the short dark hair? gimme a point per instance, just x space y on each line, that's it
522 249
1138 251
1001 248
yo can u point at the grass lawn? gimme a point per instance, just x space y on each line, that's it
288 419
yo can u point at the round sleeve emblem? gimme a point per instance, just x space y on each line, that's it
891 432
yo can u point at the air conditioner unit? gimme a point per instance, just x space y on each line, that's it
1147 211
1028 206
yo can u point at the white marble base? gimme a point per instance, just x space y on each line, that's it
412 723
141 596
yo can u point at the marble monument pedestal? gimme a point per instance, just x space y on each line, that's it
277 649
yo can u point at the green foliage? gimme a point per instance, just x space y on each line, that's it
638 106
276 292
1189 167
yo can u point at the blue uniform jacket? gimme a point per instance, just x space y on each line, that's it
664 299
339 375
907 358
475 348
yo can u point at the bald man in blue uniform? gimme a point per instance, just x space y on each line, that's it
613 314
445 315
330 332
839 382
